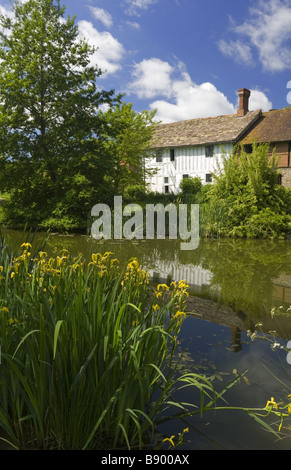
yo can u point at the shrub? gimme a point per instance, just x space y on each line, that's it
134 193
266 224
191 186
245 199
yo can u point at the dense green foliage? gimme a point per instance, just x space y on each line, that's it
245 199
191 186
52 158
128 143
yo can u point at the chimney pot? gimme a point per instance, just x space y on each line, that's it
243 108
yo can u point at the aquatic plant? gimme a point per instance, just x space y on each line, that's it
87 351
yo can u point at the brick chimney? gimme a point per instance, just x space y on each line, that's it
244 95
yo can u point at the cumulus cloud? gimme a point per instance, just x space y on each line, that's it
267 30
110 50
102 15
151 77
192 101
259 100
176 97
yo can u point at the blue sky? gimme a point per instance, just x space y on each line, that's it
188 58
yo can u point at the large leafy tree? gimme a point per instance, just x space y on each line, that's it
129 142
52 154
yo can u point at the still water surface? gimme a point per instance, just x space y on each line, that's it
236 285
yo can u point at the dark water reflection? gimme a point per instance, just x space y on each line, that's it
235 284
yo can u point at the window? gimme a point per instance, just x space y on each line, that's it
159 157
248 148
208 178
209 151
166 179
166 189
185 177
172 155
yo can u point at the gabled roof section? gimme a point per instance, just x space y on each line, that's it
273 126
203 131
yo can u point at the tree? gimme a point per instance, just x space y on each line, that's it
129 144
53 157
246 199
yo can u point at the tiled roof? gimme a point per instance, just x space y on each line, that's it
228 128
273 126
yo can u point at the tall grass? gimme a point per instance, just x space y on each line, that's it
84 351
87 355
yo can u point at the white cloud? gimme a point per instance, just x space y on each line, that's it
192 101
240 52
268 31
136 6
176 97
110 50
259 100
133 24
102 15
154 78
151 77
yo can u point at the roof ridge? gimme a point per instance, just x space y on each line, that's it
209 117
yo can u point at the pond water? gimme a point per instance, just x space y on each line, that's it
235 285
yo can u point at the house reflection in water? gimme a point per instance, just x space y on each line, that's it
199 280
282 290
196 276
203 302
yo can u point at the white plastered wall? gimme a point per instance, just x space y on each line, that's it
190 161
